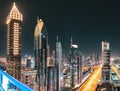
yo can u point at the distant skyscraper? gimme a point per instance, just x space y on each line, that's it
30 62
74 64
14 28
40 48
106 62
79 67
59 66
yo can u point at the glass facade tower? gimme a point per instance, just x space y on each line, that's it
59 66
40 48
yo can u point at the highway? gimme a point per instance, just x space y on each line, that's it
93 80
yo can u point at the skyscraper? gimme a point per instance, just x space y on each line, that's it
74 64
79 67
14 28
59 66
40 48
106 62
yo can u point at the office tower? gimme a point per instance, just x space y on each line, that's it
28 63
40 48
97 59
14 28
51 78
48 55
53 57
28 77
58 66
51 72
73 70
93 59
79 67
73 63
106 62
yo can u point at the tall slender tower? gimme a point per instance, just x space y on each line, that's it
14 27
74 60
59 66
40 48
106 62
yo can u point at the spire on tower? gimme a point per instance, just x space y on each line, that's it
37 19
57 39
71 41
105 39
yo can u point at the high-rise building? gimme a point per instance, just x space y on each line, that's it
79 67
29 62
95 59
59 66
51 78
106 62
51 72
40 48
74 64
28 77
14 28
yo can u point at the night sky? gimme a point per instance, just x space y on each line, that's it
88 21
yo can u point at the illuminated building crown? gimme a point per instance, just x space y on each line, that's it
14 14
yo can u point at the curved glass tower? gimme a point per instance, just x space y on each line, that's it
40 48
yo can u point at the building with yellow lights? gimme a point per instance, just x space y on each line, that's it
14 27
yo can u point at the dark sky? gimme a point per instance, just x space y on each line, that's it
88 21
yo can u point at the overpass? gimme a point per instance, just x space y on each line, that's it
8 83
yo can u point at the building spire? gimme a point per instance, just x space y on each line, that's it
37 19
14 4
71 40
57 38
105 39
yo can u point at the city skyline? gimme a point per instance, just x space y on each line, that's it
88 23
76 61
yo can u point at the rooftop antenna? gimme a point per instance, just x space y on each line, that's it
57 38
71 40
14 3
105 39
37 19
